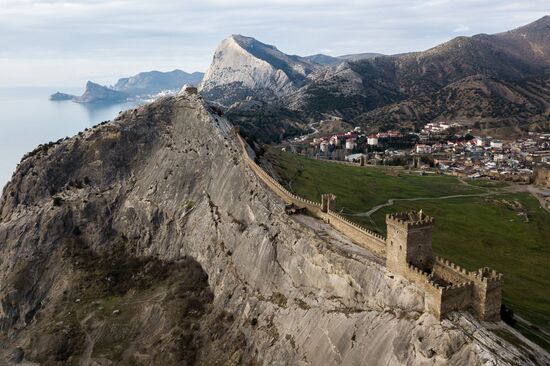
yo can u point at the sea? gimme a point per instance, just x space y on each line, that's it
28 118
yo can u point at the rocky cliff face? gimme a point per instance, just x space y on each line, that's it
146 240
96 93
243 66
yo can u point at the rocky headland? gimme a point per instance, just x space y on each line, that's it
148 240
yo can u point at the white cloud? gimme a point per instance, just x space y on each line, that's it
461 28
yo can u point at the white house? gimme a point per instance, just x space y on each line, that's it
372 140
481 141
496 144
423 149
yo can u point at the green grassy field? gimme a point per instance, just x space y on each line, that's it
487 227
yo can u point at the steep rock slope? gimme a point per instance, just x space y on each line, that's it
243 66
146 240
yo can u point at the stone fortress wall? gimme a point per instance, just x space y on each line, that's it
324 210
408 253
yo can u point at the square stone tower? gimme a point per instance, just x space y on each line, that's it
328 202
409 241
487 293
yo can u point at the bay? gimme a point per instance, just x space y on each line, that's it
28 118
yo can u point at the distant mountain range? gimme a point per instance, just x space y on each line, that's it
142 85
499 83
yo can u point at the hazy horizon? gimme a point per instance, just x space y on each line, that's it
57 42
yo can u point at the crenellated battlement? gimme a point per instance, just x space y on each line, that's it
462 285
408 252
410 219
452 266
358 227
486 275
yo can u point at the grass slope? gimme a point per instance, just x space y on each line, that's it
506 231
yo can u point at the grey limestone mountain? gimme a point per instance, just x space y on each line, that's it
147 240
244 67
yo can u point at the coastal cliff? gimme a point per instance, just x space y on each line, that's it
148 240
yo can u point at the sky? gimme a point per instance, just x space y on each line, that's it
67 42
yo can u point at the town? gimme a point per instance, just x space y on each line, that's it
448 148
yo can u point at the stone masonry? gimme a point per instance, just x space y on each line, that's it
447 286
408 253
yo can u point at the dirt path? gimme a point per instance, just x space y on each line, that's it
533 190
391 201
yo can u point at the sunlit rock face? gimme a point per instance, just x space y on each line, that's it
243 67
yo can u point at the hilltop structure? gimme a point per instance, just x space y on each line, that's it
407 250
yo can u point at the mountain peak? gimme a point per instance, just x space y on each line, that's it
91 84
243 66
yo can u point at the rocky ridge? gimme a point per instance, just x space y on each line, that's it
147 240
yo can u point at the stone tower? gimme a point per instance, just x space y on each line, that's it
487 293
409 241
328 202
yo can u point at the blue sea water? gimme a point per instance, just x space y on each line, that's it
28 118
